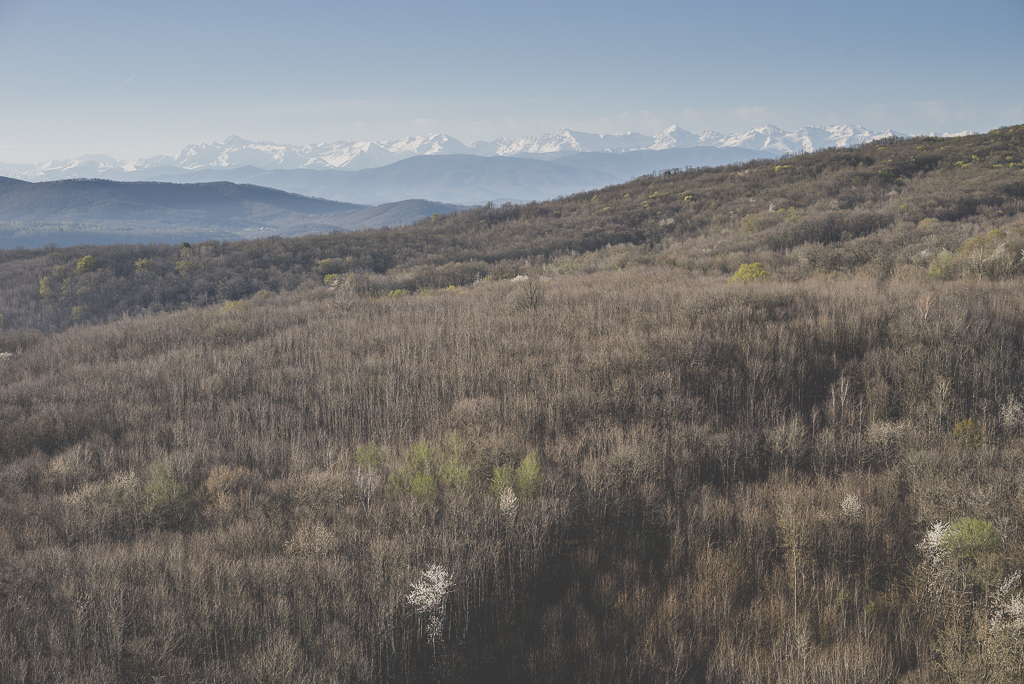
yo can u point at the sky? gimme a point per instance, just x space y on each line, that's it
141 78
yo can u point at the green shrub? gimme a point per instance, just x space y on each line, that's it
86 264
969 538
528 477
423 486
504 478
942 266
414 476
748 273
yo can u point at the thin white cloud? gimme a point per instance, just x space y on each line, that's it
755 113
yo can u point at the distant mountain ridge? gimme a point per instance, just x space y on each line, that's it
97 211
237 152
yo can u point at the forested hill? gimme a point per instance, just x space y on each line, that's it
138 209
912 208
103 200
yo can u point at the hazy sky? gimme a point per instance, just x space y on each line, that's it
142 78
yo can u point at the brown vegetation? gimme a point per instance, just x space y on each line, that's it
733 483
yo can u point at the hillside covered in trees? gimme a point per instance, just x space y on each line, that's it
755 423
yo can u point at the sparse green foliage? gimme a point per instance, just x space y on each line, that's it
455 474
426 466
168 503
422 486
455 444
369 456
528 477
968 539
502 479
941 266
982 254
184 266
142 265
415 471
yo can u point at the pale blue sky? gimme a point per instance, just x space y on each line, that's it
143 78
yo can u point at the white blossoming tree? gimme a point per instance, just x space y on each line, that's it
428 597
508 504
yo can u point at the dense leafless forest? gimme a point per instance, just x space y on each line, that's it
750 424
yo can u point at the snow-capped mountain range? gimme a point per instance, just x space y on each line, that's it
235 152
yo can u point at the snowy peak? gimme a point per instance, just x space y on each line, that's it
89 165
762 138
235 152
810 138
673 137
566 141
